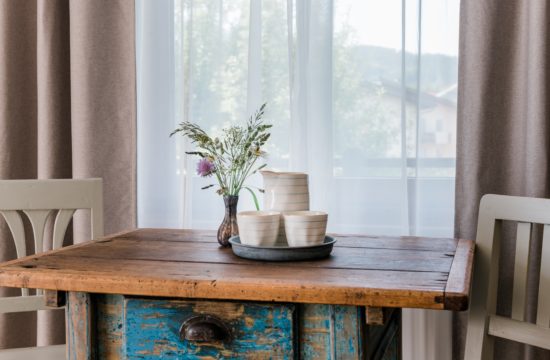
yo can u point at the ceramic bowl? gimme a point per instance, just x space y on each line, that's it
304 228
258 228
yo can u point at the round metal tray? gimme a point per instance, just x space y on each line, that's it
282 253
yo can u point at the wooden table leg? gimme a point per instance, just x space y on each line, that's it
79 327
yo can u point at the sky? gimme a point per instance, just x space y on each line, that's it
378 22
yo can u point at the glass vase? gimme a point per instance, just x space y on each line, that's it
228 226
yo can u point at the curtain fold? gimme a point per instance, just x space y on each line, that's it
311 117
503 140
17 101
67 109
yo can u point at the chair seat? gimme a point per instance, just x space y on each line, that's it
54 352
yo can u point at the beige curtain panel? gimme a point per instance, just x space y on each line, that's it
67 109
503 129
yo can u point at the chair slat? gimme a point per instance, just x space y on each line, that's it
520 270
483 321
26 303
484 286
543 309
38 221
62 220
519 331
15 223
61 194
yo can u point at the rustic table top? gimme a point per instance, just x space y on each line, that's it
373 271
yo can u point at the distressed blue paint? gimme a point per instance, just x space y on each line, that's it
79 318
330 332
70 333
314 332
145 328
259 330
109 310
348 323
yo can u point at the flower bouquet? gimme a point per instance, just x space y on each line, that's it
230 159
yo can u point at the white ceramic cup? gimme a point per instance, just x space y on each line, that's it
258 228
305 228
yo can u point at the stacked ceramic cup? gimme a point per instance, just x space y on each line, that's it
305 228
258 228
285 191
286 219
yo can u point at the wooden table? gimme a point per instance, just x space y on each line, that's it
175 294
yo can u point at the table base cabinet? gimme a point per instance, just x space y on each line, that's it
125 327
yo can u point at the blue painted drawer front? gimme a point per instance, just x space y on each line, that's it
260 331
331 332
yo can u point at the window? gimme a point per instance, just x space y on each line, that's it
373 125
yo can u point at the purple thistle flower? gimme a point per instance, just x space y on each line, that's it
205 168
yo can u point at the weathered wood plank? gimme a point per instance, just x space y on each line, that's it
330 332
136 264
54 298
80 327
377 315
342 257
258 331
348 332
222 281
444 245
68 248
109 321
315 335
344 240
460 277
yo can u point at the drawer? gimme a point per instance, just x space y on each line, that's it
249 330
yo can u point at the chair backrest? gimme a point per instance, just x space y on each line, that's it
483 323
38 200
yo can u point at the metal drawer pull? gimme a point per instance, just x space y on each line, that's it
204 328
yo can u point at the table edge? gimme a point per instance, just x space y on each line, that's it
457 290
227 291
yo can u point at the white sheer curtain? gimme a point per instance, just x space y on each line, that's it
362 95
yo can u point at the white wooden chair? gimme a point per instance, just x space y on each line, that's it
38 200
483 323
